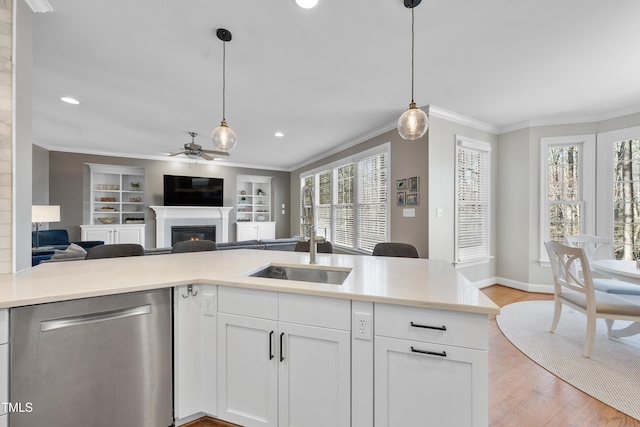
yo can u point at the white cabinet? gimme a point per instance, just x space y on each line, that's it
4 365
115 196
255 230
430 365
195 338
254 199
283 359
128 233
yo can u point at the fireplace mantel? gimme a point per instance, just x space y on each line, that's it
164 213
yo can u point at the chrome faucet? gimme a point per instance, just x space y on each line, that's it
307 226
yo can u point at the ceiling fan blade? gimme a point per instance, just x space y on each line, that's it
217 153
175 154
206 156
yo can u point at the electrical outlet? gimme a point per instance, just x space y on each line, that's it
209 304
362 325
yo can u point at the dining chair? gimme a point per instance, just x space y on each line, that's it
577 291
403 250
115 251
323 248
194 246
597 248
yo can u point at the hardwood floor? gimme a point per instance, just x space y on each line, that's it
521 393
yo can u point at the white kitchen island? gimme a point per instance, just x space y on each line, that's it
399 342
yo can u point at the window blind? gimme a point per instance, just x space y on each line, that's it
372 201
472 199
343 218
323 205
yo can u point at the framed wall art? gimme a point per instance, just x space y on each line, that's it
401 184
400 198
413 199
414 184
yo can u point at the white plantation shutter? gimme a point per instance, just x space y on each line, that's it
472 200
372 201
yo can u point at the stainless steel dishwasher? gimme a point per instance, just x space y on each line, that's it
103 361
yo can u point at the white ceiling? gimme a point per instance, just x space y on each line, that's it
148 71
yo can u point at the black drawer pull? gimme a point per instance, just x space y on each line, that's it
270 345
439 328
281 346
432 353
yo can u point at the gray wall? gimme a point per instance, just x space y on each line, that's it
40 162
519 198
408 158
442 192
69 178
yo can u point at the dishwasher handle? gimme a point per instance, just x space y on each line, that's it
85 319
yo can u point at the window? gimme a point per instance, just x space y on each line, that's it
567 189
619 190
472 200
350 200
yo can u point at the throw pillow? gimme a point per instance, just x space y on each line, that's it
72 252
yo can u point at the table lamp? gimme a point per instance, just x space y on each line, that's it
43 213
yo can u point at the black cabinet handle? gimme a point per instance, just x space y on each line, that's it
432 353
270 345
281 346
438 328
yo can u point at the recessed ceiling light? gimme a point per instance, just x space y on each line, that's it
279 134
70 100
307 4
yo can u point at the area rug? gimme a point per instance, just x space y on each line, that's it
611 375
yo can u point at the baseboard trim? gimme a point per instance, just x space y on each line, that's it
527 287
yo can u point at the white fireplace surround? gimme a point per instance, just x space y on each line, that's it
173 215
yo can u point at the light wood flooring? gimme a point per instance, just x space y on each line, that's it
521 393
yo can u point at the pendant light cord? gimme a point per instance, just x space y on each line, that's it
412 51
224 73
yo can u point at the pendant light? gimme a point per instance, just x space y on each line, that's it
223 138
413 123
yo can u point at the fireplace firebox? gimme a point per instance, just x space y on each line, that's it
181 233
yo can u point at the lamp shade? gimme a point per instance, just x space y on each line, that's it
413 123
223 138
45 213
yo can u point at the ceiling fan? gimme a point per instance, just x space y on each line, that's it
193 150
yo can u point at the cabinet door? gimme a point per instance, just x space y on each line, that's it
129 235
413 388
247 370
314 377
246 232
195 337
103 233
266 231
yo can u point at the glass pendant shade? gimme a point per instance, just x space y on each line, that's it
413 123
223 138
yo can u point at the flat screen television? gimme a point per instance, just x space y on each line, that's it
193 191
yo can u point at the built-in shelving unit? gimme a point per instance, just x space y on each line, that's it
116 195
253 201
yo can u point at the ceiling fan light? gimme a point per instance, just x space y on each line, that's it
307 4
413 123
223 138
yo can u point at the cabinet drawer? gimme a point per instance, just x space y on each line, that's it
325 312
4 326
431 325
248 302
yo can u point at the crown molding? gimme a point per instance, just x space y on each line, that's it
39 6
161 158
432 110
570 120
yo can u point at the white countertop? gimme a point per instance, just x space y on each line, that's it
404 281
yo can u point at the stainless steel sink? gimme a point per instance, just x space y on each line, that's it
304 274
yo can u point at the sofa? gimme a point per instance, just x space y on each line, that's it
54 240
283 244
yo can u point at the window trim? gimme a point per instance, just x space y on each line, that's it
587 176
463 142
379 149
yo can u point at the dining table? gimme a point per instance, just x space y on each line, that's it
626 271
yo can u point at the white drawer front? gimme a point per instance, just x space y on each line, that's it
4 326
325 312
430 325
248 302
